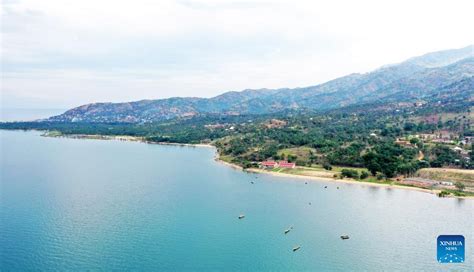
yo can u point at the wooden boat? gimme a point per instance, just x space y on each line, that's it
296 248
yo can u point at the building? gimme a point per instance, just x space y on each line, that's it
428 137
468 140
285 164
404 143
269 164
442 141
275 123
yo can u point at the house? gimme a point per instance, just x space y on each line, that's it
428 137
446 135
285 164
418 104
269 164
275 123
468 140
442 141
404 143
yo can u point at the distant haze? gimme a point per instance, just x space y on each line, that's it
64 53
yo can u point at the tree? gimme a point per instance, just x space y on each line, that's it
364 174
443 155
327 166
471 155
292 158
349 173
371 163
414 140
460 186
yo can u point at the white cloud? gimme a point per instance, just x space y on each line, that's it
60 53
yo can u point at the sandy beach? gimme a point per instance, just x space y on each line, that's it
345 180
337 180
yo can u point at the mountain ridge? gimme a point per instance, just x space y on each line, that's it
416 78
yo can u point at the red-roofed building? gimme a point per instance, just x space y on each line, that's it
269 164
285 164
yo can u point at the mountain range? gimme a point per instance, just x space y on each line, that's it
433 75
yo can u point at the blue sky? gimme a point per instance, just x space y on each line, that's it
63 53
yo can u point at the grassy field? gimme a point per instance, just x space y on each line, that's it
302 153
442 174
225 158
446 116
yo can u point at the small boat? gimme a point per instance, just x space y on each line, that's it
306 183
296 248
288 230
242 216
325 187
309 203
344 237
338 188
252 182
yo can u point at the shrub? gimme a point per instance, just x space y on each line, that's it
349 173
364 174
460 186
292 158
459 194
247 164
327 166
443 193
300 163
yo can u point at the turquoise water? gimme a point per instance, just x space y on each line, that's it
108 205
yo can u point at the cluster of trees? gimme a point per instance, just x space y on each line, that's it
441 155
349 156
391 159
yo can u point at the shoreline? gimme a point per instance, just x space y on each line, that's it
345 181
120 138
250 170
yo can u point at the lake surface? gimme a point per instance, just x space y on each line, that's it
69 204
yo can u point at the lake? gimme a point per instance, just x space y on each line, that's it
69 204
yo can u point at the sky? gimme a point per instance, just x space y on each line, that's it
65 53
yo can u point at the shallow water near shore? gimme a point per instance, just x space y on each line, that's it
69 204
